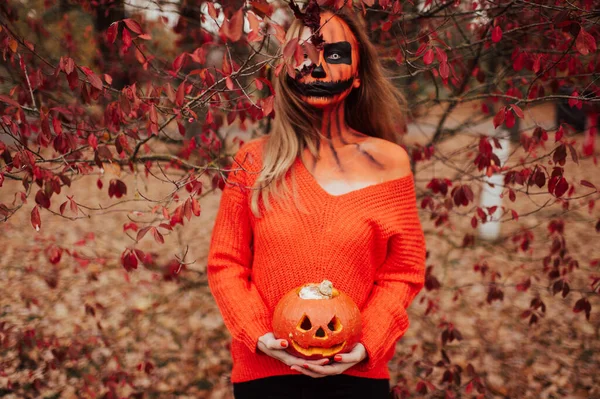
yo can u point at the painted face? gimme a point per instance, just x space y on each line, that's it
336 73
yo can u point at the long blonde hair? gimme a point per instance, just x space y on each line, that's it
374 108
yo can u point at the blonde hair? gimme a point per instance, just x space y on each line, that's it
374 108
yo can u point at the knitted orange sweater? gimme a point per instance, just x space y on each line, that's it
369 243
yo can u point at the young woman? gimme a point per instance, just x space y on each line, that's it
326 195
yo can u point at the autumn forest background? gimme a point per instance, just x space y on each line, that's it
118 120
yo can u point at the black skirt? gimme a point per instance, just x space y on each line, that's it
305 387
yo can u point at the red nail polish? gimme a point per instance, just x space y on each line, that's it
284 344
338 358
306 366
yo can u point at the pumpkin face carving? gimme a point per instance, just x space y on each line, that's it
336 74
318 321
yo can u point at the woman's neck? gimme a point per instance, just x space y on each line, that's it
334 128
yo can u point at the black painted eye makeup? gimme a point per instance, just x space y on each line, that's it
338 53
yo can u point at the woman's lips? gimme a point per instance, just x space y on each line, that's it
320 88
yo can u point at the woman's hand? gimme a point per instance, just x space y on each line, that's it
342 363
275 348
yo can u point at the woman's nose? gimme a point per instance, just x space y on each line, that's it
318 72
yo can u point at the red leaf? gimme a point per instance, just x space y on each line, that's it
129 260
69 66
441 55
157 236
212 11
421 49
233 28
559 134
444 70
142 232
587 184
181 129
574 101
267 105
127 41
170 92
93 141
518 110
195 207
117 188
585 42
524 286
133 26
111 32
73 79
561 187
57 126
574 155
180 97
54 254
153 114
537 63
36 222
510 119
9 100
279 32
178 62
130 226
500 116
428 57
515 215
267 82
229 83
42 199
469 387
290 48
496 34
254 23
93 78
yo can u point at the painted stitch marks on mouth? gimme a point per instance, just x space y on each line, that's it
321 89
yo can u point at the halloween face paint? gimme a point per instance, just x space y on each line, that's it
336 73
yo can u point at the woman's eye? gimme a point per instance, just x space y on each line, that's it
334 56
305 56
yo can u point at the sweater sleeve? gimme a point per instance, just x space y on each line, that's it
230 260
397 281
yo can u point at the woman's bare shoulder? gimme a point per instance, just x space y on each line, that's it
393 156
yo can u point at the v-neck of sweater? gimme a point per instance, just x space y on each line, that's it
389 186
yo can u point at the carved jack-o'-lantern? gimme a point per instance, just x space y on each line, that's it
318 321
336 73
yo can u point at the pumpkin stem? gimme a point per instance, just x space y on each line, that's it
326 288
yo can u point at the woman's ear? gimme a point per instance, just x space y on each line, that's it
356 82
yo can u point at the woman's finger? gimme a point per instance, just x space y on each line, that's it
318 362
356 355
327 370
347 358
289 359
277 344
307 372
